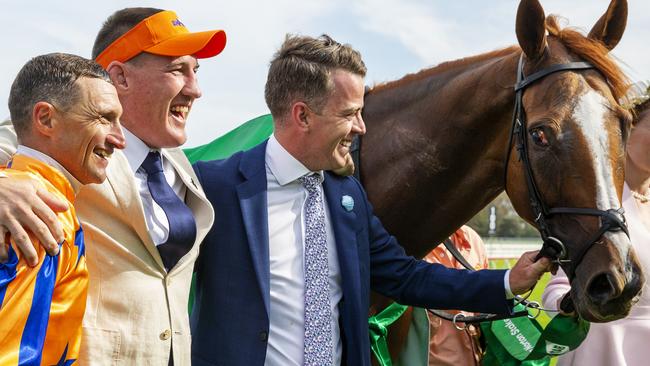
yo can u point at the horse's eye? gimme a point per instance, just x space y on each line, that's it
539 137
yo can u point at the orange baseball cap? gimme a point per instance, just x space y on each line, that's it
163 34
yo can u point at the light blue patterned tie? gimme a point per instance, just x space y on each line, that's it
318 313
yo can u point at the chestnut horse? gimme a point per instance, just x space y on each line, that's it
435 151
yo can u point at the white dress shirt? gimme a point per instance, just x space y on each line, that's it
136 151
286 199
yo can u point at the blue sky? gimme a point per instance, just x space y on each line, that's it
396 37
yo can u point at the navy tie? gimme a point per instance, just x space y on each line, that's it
182 227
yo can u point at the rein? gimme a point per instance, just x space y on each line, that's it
552 247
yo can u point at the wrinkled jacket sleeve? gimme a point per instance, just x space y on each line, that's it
415 282
8 141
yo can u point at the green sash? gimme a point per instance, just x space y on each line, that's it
378 325
244 137
523 341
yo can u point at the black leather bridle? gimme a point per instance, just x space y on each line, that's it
552 247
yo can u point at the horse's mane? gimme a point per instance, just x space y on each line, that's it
592 51
443 67
586 48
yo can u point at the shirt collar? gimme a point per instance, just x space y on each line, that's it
283 165
37 155
136 150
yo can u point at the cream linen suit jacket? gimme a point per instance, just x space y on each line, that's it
136 311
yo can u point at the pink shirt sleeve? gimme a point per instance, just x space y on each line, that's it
555 289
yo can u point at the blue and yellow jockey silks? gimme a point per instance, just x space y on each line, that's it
41 308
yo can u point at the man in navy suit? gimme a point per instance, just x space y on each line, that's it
284 275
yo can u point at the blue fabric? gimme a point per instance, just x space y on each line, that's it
79 242
182 226
63 361
230 321
7 273
31 344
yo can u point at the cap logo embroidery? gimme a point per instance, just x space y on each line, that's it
177 23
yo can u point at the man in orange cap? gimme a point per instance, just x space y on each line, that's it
144 224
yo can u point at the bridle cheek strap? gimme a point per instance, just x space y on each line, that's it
552 247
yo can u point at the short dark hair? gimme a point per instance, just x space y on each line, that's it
301 70
119 23
48 78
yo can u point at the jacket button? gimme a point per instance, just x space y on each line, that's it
264 336
165 335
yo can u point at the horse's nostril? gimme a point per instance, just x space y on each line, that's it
602 289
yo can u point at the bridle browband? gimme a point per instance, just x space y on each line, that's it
552 247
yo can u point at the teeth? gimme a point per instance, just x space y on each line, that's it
103 154
180 109
346 143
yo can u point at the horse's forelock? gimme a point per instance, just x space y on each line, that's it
592 51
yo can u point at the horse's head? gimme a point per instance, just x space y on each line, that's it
575 133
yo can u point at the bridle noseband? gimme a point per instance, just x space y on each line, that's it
552 247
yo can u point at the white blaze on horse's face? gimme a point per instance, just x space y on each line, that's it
590 115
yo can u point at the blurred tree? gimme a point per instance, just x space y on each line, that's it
509 224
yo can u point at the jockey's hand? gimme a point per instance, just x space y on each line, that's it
348 169
27 205
527 272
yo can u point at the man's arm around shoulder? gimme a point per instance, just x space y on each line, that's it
26 205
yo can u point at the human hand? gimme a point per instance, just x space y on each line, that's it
527 272
27 205
348 169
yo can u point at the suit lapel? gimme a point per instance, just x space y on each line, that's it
253 202
345 226
194 199
122 180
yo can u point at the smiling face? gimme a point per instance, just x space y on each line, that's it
84 137
159 95
329 133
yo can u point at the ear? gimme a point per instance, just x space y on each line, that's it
531 28
300 113
43 118
117 72
610 27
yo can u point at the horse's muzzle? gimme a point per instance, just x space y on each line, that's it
604 291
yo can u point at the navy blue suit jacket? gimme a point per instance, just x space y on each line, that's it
230 320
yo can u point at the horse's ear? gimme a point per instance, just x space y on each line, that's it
531 28
610 27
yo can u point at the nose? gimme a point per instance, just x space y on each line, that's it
116 137
191 88
359 126
603 288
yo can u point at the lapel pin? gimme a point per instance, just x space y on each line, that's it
347 202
